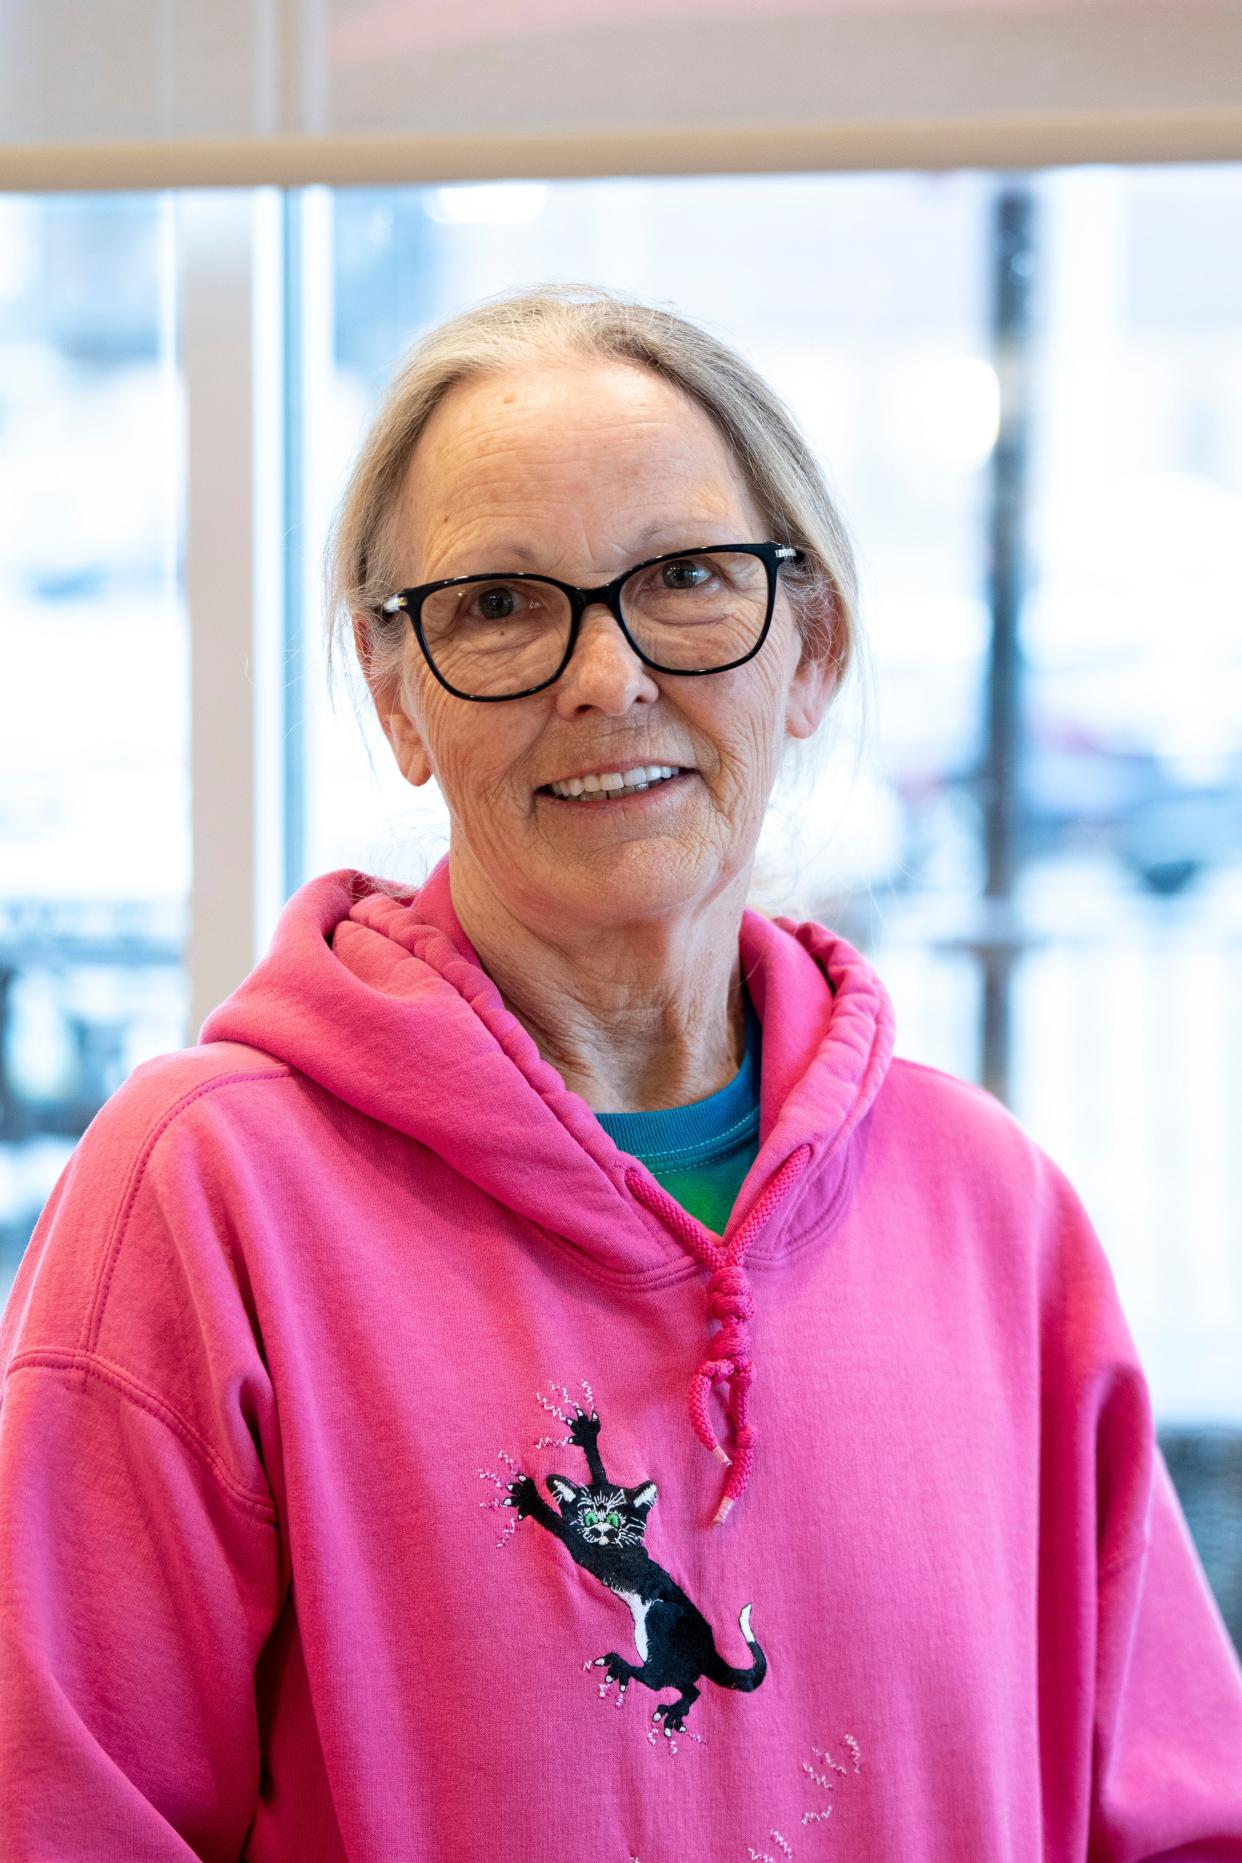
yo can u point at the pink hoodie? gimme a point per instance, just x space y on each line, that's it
357 1493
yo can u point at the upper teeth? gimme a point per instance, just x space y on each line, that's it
637 778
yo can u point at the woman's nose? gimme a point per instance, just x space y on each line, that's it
604 671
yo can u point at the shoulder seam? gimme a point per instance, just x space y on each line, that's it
94 1313
975 1087
133 1391
929 1067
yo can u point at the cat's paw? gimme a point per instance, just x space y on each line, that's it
523 1494
672 1714
618 1669
584 1430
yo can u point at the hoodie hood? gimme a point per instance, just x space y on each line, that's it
382 1001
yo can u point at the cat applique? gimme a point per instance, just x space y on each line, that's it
602 1527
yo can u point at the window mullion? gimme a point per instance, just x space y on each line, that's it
231 292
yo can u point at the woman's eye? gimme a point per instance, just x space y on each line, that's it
682 575
497 604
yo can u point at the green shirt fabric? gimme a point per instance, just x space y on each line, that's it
701 1152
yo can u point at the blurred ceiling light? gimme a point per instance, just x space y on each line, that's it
941 410
492 203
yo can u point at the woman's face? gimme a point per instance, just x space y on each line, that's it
580 471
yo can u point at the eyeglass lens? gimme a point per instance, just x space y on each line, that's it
503 634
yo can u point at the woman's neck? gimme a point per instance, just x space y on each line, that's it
633 1016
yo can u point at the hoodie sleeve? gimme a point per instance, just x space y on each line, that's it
140 1571
1158 1729
1168 1759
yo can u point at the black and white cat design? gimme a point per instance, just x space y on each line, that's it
602 1526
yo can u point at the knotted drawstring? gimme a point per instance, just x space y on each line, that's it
730 1301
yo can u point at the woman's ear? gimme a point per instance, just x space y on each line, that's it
811 688
407 744
808 697
389 700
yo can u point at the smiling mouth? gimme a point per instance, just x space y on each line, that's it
614 785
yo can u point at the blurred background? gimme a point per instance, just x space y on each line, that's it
1017 349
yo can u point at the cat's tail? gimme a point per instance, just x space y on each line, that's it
726 1675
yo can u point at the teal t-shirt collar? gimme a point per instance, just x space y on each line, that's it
676 1136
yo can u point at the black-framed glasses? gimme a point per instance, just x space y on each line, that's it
507 634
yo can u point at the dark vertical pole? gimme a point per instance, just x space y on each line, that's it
293 721
14 1114
1013 248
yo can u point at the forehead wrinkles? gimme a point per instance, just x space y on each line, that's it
484 450
577 488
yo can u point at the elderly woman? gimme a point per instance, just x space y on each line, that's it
540 1379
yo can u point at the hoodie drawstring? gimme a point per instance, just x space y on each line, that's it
729 1300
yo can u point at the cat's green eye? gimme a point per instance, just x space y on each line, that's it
588 1519
614 1520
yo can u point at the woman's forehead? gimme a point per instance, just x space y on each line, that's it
601 445
586 391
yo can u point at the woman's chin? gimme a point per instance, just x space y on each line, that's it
629 880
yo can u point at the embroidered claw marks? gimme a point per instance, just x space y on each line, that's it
501 1500
730 1301
519 1474
784 1847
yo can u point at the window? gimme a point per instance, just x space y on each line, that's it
94 817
